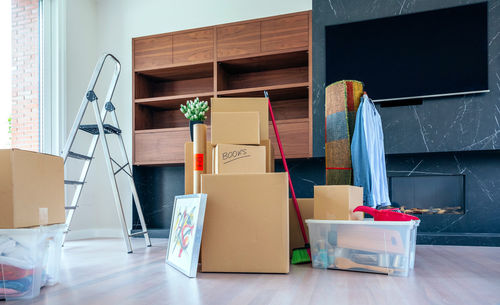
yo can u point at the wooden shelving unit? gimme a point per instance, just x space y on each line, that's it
240 59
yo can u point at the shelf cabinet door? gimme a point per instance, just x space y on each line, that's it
285 33
238 40
294 135
193 46
152 52
160 147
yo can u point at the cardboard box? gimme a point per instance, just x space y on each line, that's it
306 206
246 223
269 155
336 202
240 104
31 189
235 128
234 159
189 166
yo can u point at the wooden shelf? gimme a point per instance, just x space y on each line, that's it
276 92
173 101
180 71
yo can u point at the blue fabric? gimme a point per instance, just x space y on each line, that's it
336 124
368 155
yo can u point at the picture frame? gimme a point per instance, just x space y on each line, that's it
186 227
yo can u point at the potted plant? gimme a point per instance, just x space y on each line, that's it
194 111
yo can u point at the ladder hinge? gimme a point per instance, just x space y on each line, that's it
91 96
109 106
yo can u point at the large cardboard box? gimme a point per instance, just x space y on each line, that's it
306 206
234 159
269 155
242 104
189 166
235 128
31 189
336 202
246 223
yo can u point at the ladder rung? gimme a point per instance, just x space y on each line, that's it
93 129
75 155
70 207
73 182
138 233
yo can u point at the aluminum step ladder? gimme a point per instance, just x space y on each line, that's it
100 130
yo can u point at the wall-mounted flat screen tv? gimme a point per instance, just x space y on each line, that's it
428 54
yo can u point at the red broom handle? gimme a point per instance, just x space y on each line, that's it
299 217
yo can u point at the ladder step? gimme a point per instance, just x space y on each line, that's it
75 155
138 233
70 207
73 182
93 129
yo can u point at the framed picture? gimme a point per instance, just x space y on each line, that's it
185 233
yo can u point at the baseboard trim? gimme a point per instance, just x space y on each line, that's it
154 233
94 233
459 239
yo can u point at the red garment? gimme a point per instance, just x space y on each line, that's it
10 273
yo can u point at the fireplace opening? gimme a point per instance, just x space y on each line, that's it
428 194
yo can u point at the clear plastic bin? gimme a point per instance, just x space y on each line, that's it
386 247
29 259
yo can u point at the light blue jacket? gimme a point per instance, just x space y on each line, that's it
368 155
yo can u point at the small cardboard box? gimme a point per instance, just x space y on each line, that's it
31 189
336 202
189 166
242 104
269 155
306 206
234 159
235 128
246 223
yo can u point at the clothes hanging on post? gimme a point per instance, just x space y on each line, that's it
368 155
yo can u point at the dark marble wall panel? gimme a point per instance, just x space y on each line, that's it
482 194
459 123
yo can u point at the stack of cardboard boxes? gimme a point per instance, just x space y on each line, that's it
246 226
31 217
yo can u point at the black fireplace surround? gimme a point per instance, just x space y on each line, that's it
441 138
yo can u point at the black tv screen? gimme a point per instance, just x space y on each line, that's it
441 52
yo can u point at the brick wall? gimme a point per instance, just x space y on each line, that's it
25 71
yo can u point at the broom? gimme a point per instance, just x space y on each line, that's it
299 255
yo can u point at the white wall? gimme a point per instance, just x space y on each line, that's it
97 26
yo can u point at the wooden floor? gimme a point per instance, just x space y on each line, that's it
100 272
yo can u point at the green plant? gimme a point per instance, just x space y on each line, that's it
195 110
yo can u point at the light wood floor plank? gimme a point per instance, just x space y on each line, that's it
100 272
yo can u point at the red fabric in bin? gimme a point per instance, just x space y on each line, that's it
10 273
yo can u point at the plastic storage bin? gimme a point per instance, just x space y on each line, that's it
371 246
29 259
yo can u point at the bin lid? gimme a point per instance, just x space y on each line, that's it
369 222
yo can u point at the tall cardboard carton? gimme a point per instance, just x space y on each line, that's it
235 128
31 189
337 202
246 223
234 159
189 165
243 104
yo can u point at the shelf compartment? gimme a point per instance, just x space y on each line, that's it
178 80
161 146
271 70
147 117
